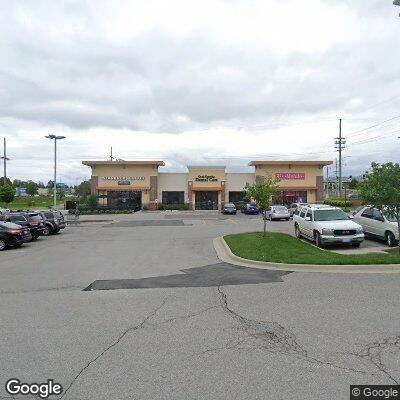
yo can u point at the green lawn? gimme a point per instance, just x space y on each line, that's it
283 248
24 203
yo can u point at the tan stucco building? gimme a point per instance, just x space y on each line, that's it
137 184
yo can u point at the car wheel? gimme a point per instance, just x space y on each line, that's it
47 231
297 231
356 244
287 219
34 238
390 239
318 240
3 244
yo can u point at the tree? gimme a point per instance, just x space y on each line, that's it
50 185
263 193
31 188
381 189
7 181
7 193
353 183
83 190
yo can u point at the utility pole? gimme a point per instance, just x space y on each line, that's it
340 144
5 159
111 156
336 178
55 138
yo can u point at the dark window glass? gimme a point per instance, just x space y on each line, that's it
303 213
49 215
377 214
367 213
309 214
169 197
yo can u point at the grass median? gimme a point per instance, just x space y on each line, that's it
283 248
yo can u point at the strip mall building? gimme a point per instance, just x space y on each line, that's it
137 184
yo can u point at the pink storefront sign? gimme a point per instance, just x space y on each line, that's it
290 176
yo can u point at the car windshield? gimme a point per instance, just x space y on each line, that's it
330 215
229 205
49 215
280 208
17 218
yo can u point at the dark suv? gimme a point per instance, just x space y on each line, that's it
53 222
13 235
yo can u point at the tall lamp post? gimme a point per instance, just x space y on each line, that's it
5 159
55 138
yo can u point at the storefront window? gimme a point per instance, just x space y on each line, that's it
170 197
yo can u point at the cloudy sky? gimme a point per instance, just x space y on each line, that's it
197 82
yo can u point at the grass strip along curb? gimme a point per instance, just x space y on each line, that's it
283 248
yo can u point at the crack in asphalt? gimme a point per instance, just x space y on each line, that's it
114 343
373 353
273 337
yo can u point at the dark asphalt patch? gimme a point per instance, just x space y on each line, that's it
133 224
210 275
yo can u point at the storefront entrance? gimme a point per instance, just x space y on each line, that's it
206 200
124 200
289 197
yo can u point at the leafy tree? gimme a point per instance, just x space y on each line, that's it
381 189
7 181
41 185
83 189
263 192
50 184
31 188
353 183
7 193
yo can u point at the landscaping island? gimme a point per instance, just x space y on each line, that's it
283 248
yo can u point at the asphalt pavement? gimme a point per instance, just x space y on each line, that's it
140 307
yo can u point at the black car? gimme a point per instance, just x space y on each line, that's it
229 208
53 222
32 221
13 235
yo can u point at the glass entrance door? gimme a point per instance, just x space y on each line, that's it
206 200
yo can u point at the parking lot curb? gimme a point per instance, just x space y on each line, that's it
225 254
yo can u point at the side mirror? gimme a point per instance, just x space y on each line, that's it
308 218
351 216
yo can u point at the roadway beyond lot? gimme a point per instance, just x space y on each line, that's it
183 325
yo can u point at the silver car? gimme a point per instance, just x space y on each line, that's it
377 224
277 212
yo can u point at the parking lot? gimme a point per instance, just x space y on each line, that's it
139 306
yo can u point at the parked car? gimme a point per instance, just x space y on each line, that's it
53 222
295 206
229 208
277 212
13 235
34 225
250 208
327 225
376 223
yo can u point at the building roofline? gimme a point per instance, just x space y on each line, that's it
325 162
144 162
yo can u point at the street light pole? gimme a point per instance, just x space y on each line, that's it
55 138
5 159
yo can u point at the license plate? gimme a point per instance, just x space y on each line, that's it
346 240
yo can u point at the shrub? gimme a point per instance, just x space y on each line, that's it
338 203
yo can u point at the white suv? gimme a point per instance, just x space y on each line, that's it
327 225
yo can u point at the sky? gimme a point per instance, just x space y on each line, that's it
197 82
